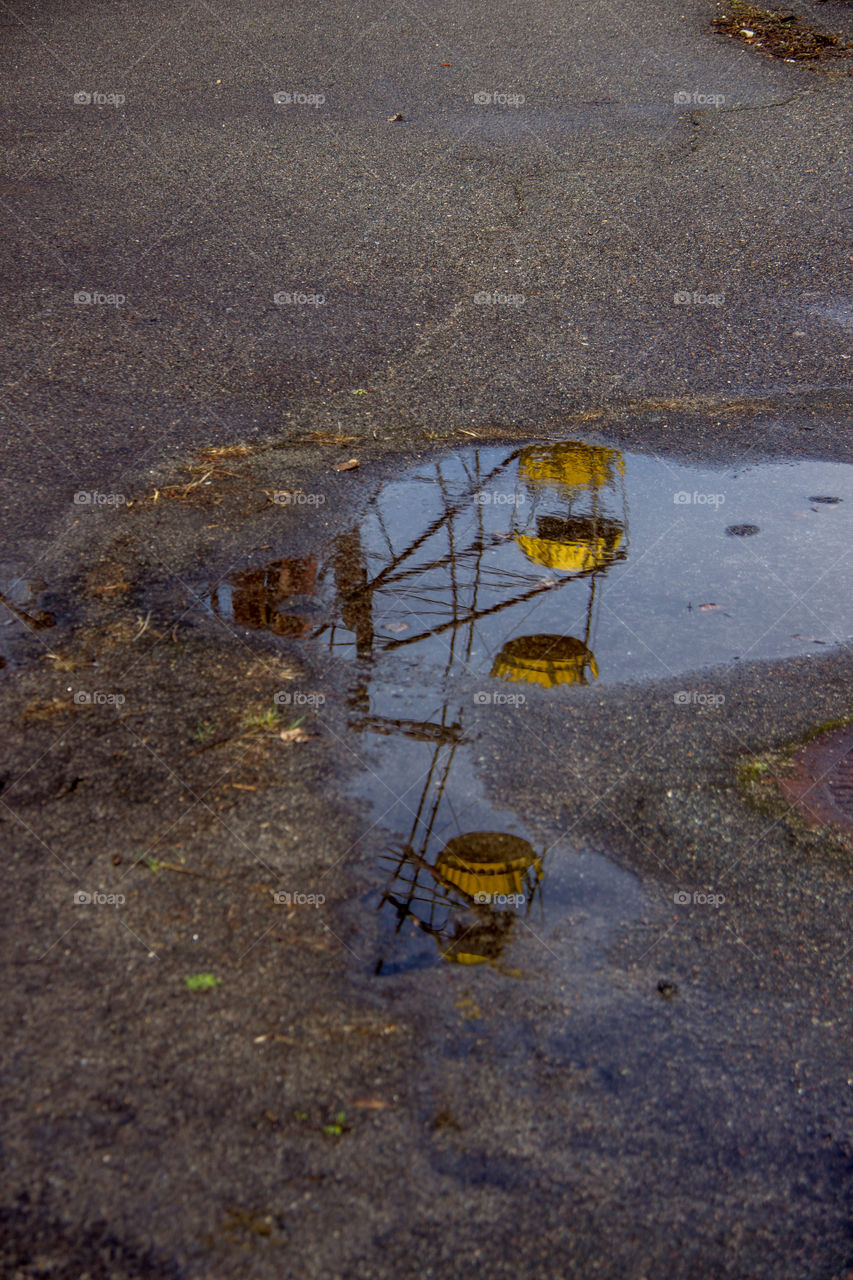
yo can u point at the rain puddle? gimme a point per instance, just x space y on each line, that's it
22 615
491 577
840 312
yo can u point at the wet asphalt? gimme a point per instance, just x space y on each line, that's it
642 1086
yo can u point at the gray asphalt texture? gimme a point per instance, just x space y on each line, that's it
671 1102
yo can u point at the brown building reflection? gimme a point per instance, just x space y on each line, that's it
259 598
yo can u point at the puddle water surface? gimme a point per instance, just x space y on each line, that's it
23 619
474 578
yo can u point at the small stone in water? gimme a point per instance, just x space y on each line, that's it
742 530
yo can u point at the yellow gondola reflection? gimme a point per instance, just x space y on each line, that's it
546 660
581 551
486 867
467 900
486 862
570 466
573 523
574 534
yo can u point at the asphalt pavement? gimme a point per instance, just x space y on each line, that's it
250 245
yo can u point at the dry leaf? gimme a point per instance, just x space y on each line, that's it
372 1104
293 735
348 466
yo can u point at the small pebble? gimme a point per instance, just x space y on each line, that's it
742 530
